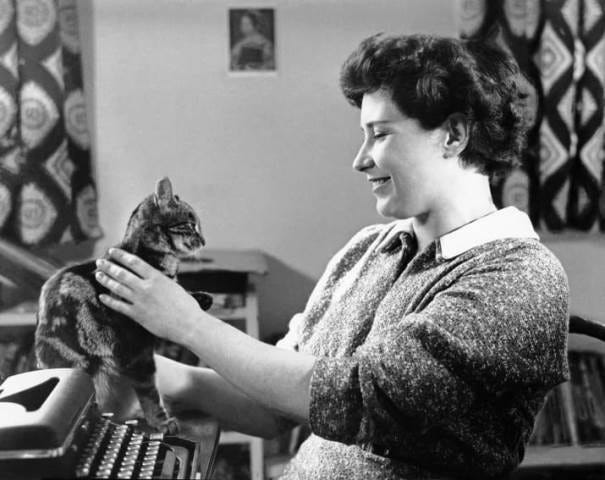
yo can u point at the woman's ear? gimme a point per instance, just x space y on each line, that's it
457 135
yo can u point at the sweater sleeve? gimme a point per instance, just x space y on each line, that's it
500 327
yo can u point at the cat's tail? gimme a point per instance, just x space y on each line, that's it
583 326
39 364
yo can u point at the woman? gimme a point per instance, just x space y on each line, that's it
429 343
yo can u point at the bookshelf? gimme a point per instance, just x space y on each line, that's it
582 256
564 456
569 431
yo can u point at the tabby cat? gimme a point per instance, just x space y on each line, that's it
75 330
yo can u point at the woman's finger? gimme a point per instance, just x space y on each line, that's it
118 273
116 304
113 285
132 262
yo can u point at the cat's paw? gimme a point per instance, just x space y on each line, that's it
203 299
170 426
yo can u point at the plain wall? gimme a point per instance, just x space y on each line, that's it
266 160
583 258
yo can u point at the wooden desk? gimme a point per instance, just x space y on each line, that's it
229 276
205 432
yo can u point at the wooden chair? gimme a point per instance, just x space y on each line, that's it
583 326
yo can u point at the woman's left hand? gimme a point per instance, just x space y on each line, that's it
147 296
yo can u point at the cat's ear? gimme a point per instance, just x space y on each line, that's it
163 192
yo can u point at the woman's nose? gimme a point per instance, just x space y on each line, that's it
363 160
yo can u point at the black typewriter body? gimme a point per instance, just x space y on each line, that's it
50 428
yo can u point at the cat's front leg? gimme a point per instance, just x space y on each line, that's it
141 373
203 299
154 410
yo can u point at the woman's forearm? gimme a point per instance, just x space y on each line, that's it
195 388
277 379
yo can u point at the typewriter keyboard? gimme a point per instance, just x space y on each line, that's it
119 451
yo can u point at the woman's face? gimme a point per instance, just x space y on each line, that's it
403 162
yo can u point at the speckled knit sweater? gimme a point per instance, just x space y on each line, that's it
431 364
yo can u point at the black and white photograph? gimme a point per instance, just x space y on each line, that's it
302 239
252 40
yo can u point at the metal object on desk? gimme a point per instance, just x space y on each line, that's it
50 427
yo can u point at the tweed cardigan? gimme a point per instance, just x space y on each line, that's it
431 364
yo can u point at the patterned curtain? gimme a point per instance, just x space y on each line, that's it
560 47
47 191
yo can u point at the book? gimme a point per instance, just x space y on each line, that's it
580 409
540 432
587 392
596 396
561 430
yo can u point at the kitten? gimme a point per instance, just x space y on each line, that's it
75 330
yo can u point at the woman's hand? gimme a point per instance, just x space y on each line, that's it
147 296
278 379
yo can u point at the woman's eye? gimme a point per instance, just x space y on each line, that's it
380 135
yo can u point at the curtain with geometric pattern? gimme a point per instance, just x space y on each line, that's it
47 190
560 47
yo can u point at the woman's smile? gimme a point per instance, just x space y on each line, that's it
378 182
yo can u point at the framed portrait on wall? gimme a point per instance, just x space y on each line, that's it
252 40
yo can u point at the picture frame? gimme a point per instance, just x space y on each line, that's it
252 41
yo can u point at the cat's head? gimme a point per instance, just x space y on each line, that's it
164 223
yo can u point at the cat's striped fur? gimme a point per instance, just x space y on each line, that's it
75 329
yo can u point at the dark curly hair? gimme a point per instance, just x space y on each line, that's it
430 78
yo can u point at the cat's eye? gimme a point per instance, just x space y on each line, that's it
180 228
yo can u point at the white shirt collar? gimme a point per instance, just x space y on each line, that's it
508 222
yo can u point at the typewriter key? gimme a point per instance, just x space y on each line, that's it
82 472
103 473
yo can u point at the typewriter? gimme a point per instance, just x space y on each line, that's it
50 428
